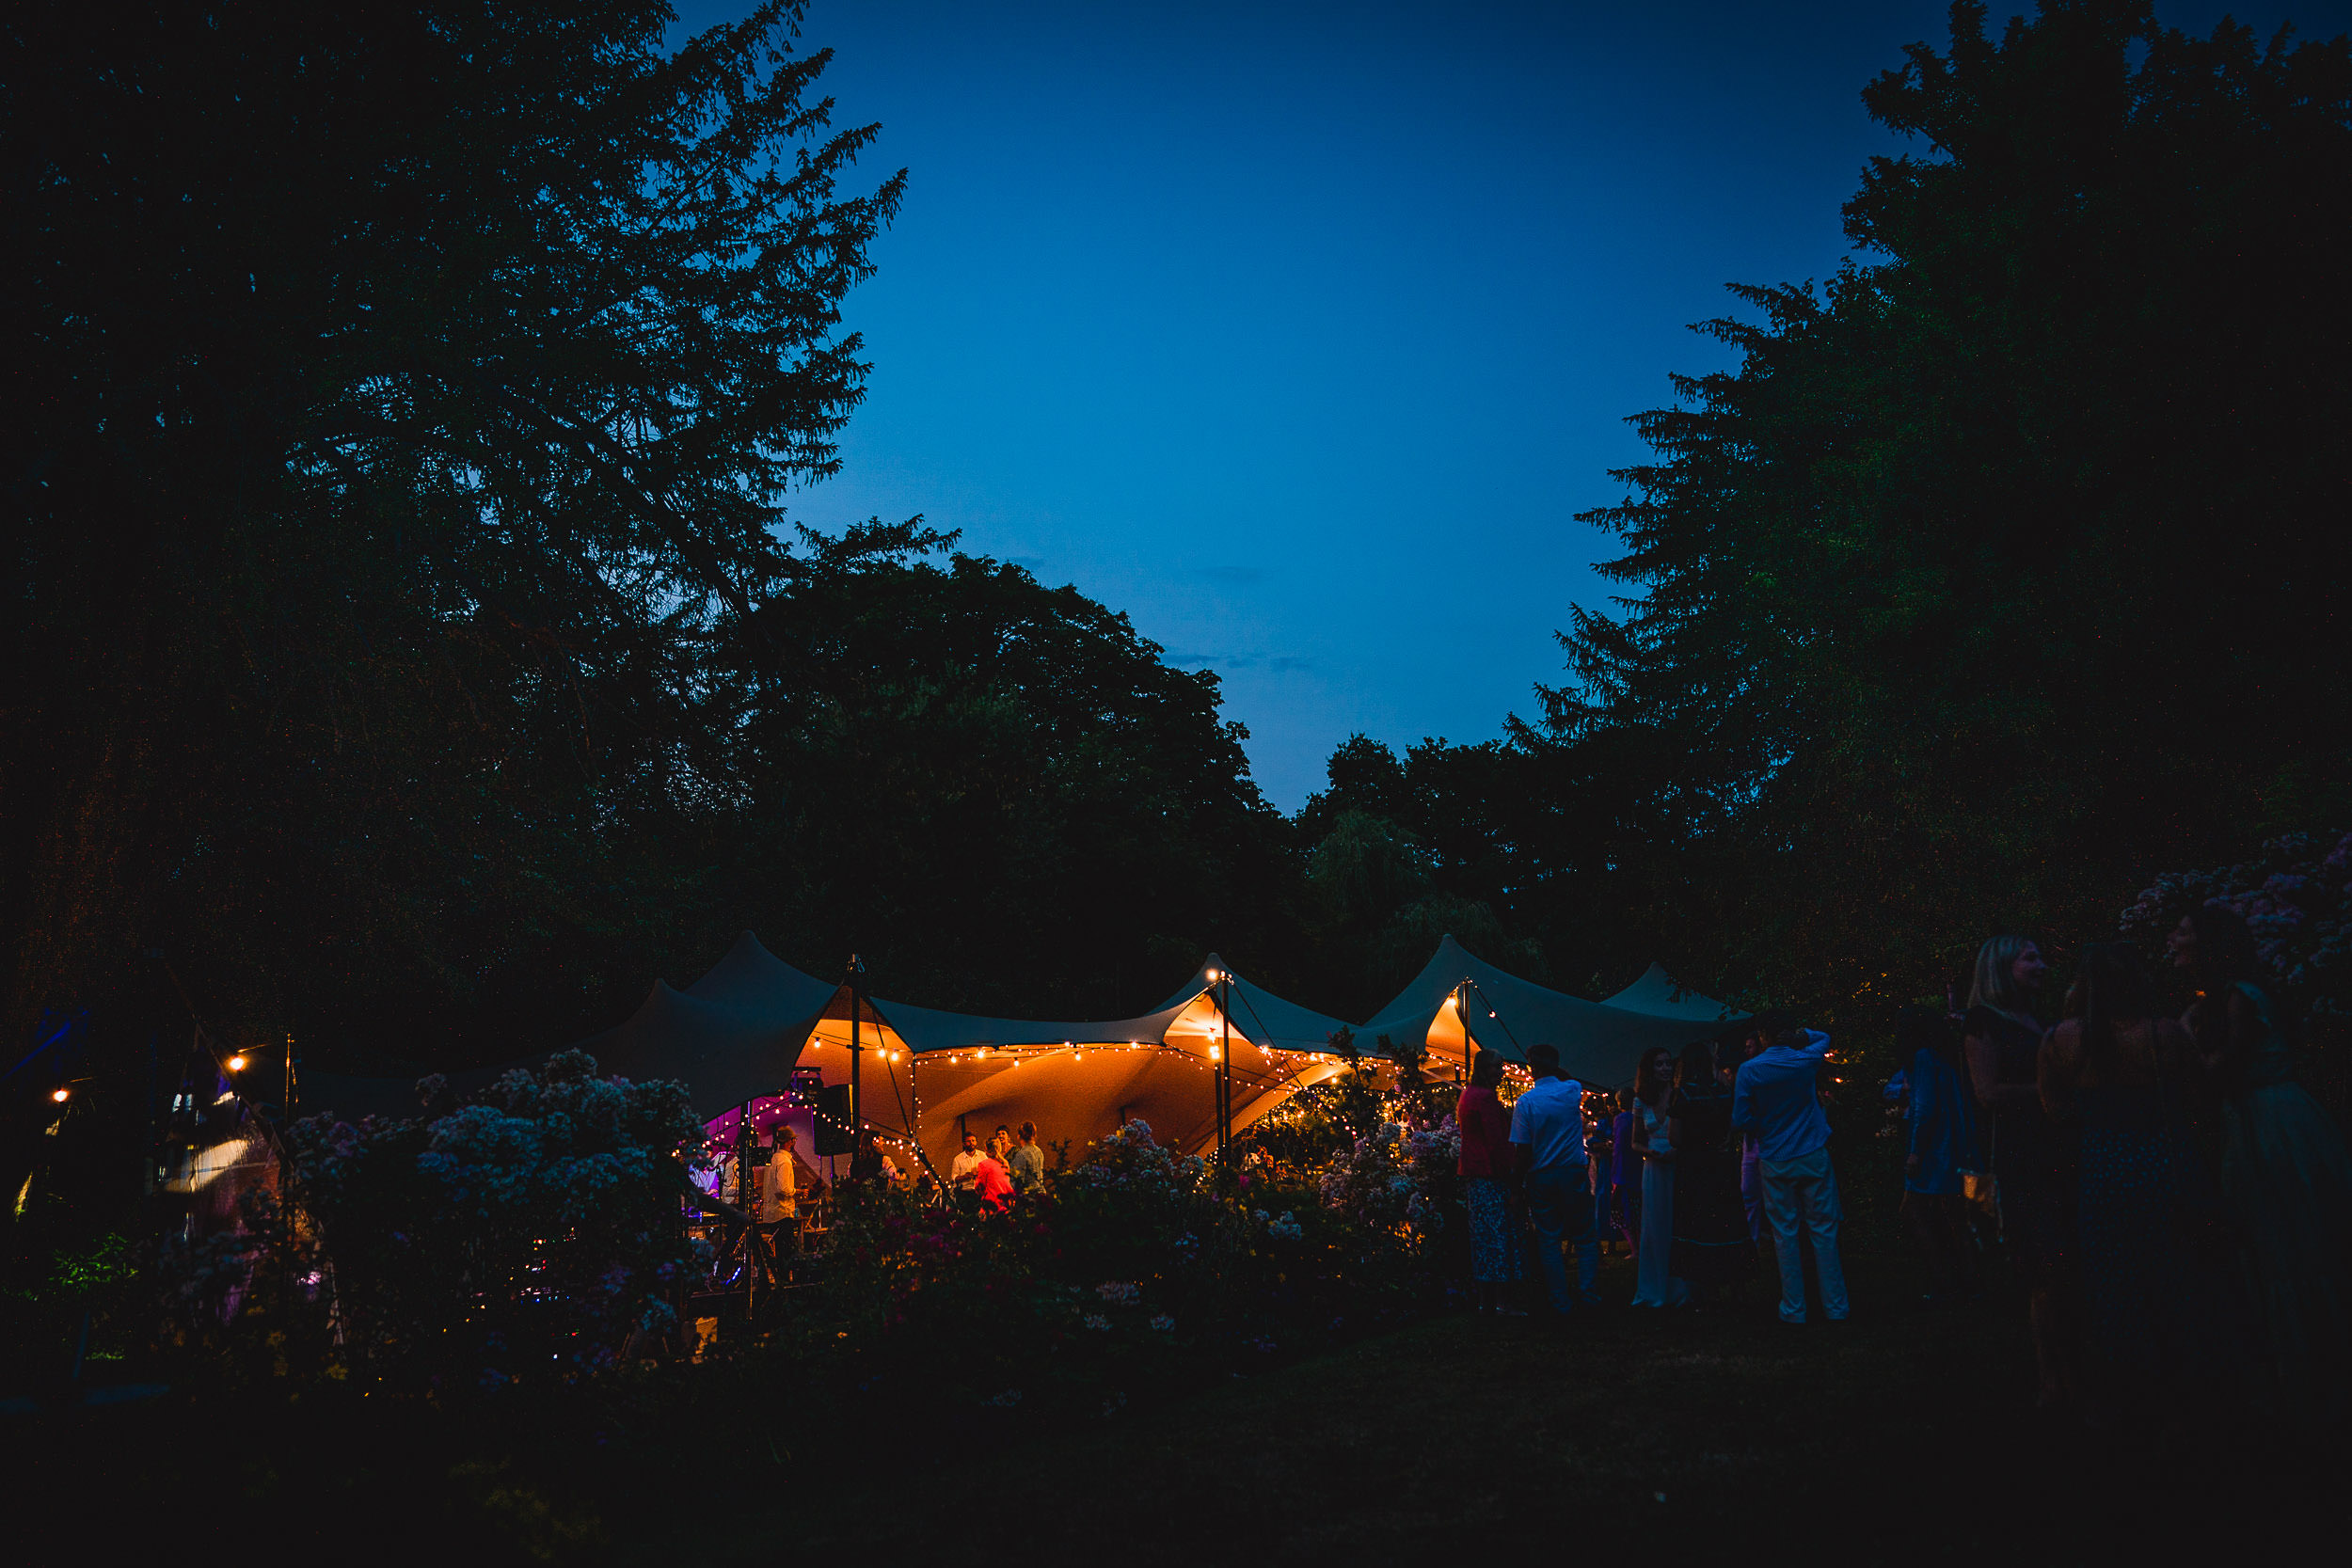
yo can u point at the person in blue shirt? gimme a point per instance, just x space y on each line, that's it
1777 1097
1942 1149
1548 1146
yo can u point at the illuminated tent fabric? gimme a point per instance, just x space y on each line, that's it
1657 994
736 1034
1598 1043
1080 1081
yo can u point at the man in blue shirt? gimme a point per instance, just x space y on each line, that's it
1777 1097
1547 1143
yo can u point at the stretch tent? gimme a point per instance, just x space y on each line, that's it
1657 994
1460 999
736 1037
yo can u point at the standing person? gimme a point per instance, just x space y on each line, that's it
1484 1165
1654 1282
1598 1153
2033 1162
2152 1255
964 1169
1751 1176
1624 1173
1942 1151
1712 1245
2285 1178
1777 1095
865 1161
993 1182
1027 1161
1547 1140
782 1205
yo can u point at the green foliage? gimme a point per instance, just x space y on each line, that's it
2296 897
410 398
1130 1272
1995 572
412 643
522 1237
995 791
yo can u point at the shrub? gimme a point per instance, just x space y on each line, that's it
2295 896
520 1237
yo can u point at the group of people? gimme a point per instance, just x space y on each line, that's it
1699 1157
2178 1208
1012 1163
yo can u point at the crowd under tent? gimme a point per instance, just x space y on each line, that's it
1459 1000
754 1026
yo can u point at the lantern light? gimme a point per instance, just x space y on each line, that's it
60 1094
236 1063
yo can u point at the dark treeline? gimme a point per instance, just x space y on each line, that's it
413 651
2007 570
410 647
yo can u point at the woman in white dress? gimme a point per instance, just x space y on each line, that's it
1654 1284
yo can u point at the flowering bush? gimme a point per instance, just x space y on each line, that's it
519 1238
1131 1268
1396 1178
2296 899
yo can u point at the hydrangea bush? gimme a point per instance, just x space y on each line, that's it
519 1238
2296 899
1133 1267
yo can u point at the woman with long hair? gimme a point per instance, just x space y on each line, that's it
1484 1167
2152 1253
1943 1149
2286 1180
1712 1244
2033 1162
1654 1281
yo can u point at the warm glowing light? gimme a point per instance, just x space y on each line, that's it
236 1064
61 1094
1214 977
1212 1053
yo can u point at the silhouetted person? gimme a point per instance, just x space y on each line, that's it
2033 1162
2285 1176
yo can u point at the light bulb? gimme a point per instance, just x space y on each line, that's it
60 1094
236 1064
1212 1053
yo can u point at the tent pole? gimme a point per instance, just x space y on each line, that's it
857 1097
1225 1068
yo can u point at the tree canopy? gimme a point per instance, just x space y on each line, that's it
2000 573
411 641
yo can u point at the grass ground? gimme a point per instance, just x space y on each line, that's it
1905 1434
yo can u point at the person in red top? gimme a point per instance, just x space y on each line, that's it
993 1182
1484 1164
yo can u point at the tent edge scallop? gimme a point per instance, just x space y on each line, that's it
1598 1043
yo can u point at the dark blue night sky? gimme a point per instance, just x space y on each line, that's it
1301 332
